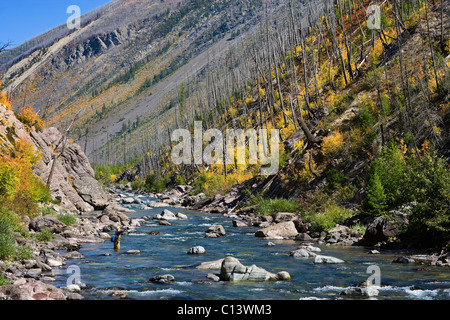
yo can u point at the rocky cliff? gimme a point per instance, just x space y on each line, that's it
73 183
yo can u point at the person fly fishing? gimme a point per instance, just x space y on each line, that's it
116 238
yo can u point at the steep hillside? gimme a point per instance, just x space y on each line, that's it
362 115
122 65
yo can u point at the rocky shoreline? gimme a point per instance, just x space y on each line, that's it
31 279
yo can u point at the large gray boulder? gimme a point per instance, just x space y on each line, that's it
278 231
384 227
91 191
48 221
233 270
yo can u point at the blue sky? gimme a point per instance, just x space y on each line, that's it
21 20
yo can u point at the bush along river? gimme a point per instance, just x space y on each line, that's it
153 263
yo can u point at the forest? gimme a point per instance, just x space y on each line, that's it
362 114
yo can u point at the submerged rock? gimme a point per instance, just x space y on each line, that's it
327 259
163 279
363 289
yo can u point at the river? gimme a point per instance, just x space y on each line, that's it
104 272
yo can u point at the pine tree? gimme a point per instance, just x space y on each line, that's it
374 202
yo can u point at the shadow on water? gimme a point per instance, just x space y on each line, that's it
112 275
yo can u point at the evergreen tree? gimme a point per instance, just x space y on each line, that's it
374 202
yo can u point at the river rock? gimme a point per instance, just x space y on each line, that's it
47 221
163 279
133 252
165 215
213 277
159 204
180 215
284 276
215 231
302 253
239 223
403 260
233 270
31 291
382 228
363 289
216 264
326 259
278 231
196 250
284 216
128 200
303 237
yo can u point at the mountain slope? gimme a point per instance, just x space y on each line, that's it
123 62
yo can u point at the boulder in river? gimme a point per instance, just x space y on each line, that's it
215 231
165 215
278 231
233 270
327 259
163 279
363 289
196 250
216 264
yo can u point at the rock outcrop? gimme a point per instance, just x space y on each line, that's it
73 182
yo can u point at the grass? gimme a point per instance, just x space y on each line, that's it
9 249
326 220
67 219
44 235
273 206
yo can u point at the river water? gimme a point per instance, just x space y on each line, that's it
104 272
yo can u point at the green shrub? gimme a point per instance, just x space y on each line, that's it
324 221
4 281
335 179
67 219
153 184
179 180
372 78
366 118
44 235
9 249
273 206
136 184
47 211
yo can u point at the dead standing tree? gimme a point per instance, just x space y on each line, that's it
63 143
